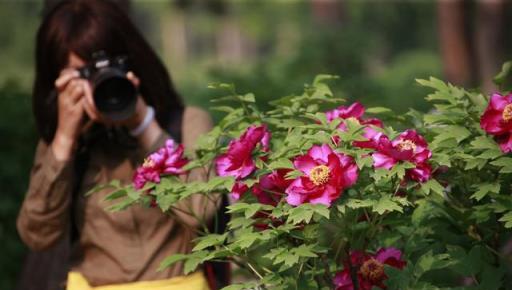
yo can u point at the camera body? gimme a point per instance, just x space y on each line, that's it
114 94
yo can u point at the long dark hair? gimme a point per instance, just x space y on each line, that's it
87 26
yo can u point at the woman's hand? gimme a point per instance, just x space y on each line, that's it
70 100
153 130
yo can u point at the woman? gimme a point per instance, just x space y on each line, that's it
80 147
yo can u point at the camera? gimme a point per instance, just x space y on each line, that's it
114 94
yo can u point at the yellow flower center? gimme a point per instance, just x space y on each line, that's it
406 145
148 163
372 270
507 113
319 175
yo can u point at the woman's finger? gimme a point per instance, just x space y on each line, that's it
133 78
88 93
65 77
75 94
89 105
90 111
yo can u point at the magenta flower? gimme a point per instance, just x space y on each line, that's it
408 146
369 269
271 187
354 112
239 188
326 175
238 161
372 269
343 280
497 120
168 160
372 139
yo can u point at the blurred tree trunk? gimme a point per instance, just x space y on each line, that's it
489 41
329 12
454 42
229 42
174 36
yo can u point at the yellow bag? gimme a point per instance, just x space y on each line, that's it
196 281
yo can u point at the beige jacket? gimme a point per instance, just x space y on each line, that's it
116 247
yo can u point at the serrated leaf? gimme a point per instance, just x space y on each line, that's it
429 262
209 241
280 163
505 163
507 219
193 261
171 260
300 214
386 204
484 189
432 186
115 195
116 184
304 251
485 143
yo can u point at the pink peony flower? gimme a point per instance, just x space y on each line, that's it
372 269
326 175
237 161
343 280
166 160
354 112
239 188
497 120
408 146
271 187
372 139
368 269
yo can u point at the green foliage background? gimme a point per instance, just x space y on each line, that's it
378 50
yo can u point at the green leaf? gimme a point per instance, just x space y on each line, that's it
360 203
171 260
484 189
505 163
503 78
299 214
304 213
210 240
280 163
242 286
122 205
249 98
379 110
116 184
507 219
386 204
246 240
485 143
321 78
193 261
458 133
115 195
492 278
432 186
165 201
429 262
304 251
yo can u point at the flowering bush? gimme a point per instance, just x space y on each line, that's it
325 197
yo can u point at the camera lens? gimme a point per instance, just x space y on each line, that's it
114 95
